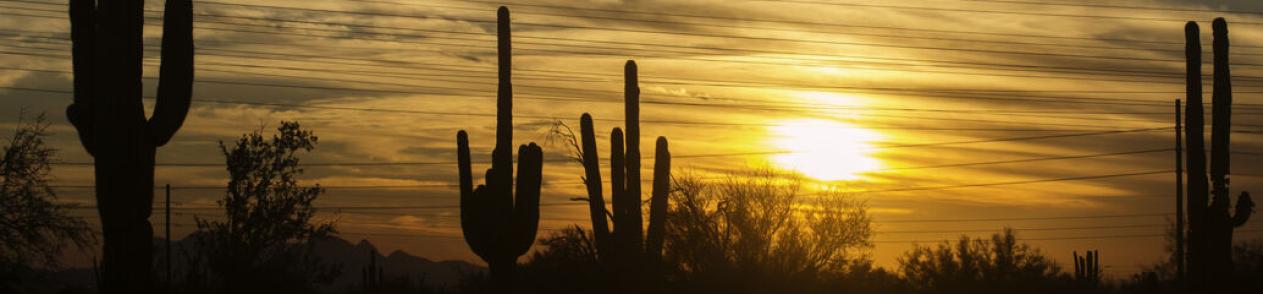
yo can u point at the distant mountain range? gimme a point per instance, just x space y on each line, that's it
352 257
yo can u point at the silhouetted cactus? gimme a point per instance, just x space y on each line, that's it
1210 227
626 251
110 118
1087 269
498 226
371 275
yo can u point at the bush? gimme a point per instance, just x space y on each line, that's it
998 265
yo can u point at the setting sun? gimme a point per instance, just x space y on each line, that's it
825 150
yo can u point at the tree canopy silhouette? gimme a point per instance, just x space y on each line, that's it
265 244
976 265
33 226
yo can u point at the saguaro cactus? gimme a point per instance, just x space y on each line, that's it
371 275
498 226
1087 268
1210 227
110 118
625 251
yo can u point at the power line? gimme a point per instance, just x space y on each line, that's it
792 22
950 93
428 163
1029 160
696 34
1024 138
809 23
1024 182
1074 69
927 188
1096 5
944 220
1025 229
301 106
1103 77
882 90
1104 216
730 23
955 93
762 106
1009 12
650 121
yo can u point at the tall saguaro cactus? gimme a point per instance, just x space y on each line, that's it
498 226
110 119
625 251
1210 227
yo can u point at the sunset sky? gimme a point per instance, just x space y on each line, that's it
949 117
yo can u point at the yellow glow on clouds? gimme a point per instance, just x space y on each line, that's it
825 150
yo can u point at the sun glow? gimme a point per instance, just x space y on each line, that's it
825 150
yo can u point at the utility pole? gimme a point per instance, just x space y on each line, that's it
168 211
1179 198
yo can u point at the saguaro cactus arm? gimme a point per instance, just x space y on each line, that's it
526 204
592 179
1245 207
175 84
618 182
658 200
473 222
1221 100
1078 266
83 47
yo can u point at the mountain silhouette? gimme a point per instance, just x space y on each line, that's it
351 256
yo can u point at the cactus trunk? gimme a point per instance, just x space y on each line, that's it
1195 155
631 257
498 226
1210 227
109 116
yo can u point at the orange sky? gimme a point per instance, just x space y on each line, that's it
915 102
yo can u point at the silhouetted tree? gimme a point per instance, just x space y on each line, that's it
497 225
108 113
998 265
265 244
34 228
566 262
754 233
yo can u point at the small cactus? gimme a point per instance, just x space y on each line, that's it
110 118
498 226
626 251
1087 268
371 275
1210 227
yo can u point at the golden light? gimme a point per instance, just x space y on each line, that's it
825 150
